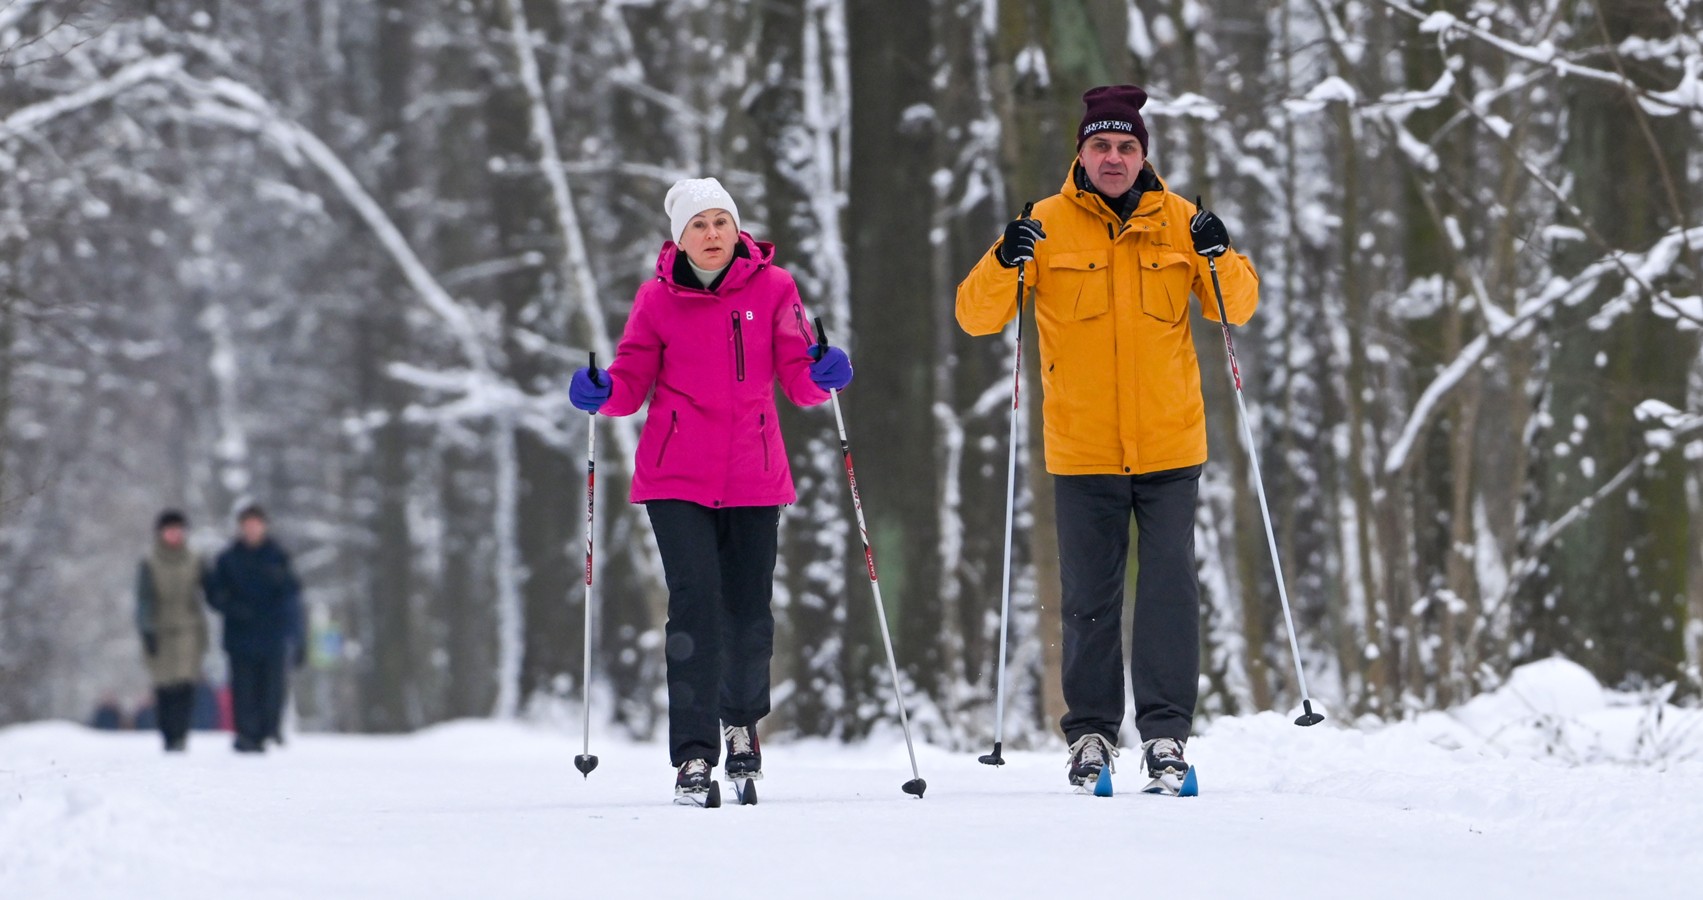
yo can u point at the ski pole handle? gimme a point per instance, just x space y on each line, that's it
1028 208
821 339
594 369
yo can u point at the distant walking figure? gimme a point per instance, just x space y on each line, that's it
172 624
252 585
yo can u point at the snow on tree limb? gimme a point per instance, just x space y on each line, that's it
1680 429
1687 96
236 105
481 388
826 93
1675 422
1641 269
576 265
36 115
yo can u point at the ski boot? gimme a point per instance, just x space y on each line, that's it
744 764
693 785
1165 765
1090 755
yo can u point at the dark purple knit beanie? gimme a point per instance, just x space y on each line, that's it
1113 107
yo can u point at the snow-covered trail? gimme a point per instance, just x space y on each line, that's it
497 810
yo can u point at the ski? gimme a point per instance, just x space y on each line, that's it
1171 784
709 798
1101 786
745 791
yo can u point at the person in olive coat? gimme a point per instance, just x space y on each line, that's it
172 625
253 586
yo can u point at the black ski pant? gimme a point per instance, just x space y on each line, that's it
720 568
1164 660
257 695
172 706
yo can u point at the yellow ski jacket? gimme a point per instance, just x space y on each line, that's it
1119 375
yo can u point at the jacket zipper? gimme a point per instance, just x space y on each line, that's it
673 426
763 429
738 348
803 332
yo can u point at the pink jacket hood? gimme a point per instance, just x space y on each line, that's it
707 363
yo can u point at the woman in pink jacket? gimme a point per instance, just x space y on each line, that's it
707 339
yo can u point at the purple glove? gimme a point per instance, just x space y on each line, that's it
589 389
832 370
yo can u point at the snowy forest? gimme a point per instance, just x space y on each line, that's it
340 257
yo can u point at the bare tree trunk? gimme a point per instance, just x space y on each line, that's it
837 664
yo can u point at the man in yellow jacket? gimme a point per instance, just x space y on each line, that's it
1110 261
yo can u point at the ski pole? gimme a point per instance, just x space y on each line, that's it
995 758
916 785
585 762
1307 717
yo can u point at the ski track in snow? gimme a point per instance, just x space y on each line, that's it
484 809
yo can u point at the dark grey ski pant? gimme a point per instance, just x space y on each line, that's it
173 704
258 688
1164 660
720 569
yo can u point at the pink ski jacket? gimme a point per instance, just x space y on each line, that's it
708 362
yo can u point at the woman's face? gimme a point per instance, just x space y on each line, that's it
709 238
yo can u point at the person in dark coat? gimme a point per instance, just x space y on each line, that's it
107 716
172 625
253 586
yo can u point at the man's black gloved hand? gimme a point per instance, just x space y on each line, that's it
1018 245
1211 238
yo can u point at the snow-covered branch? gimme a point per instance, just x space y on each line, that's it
628 169
234 105
576 258
1640 268
1687 95
1679 428
36 115
477 395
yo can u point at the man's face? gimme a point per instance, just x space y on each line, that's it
709 237
1112 160
172 535
253 530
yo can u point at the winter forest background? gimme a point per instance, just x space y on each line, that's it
341 256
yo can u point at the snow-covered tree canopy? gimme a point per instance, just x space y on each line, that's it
341 257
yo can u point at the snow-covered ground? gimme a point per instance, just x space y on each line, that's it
1548 788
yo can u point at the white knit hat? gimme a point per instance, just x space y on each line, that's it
691 196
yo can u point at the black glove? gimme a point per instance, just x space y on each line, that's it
1018 245
1211 238
150 643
